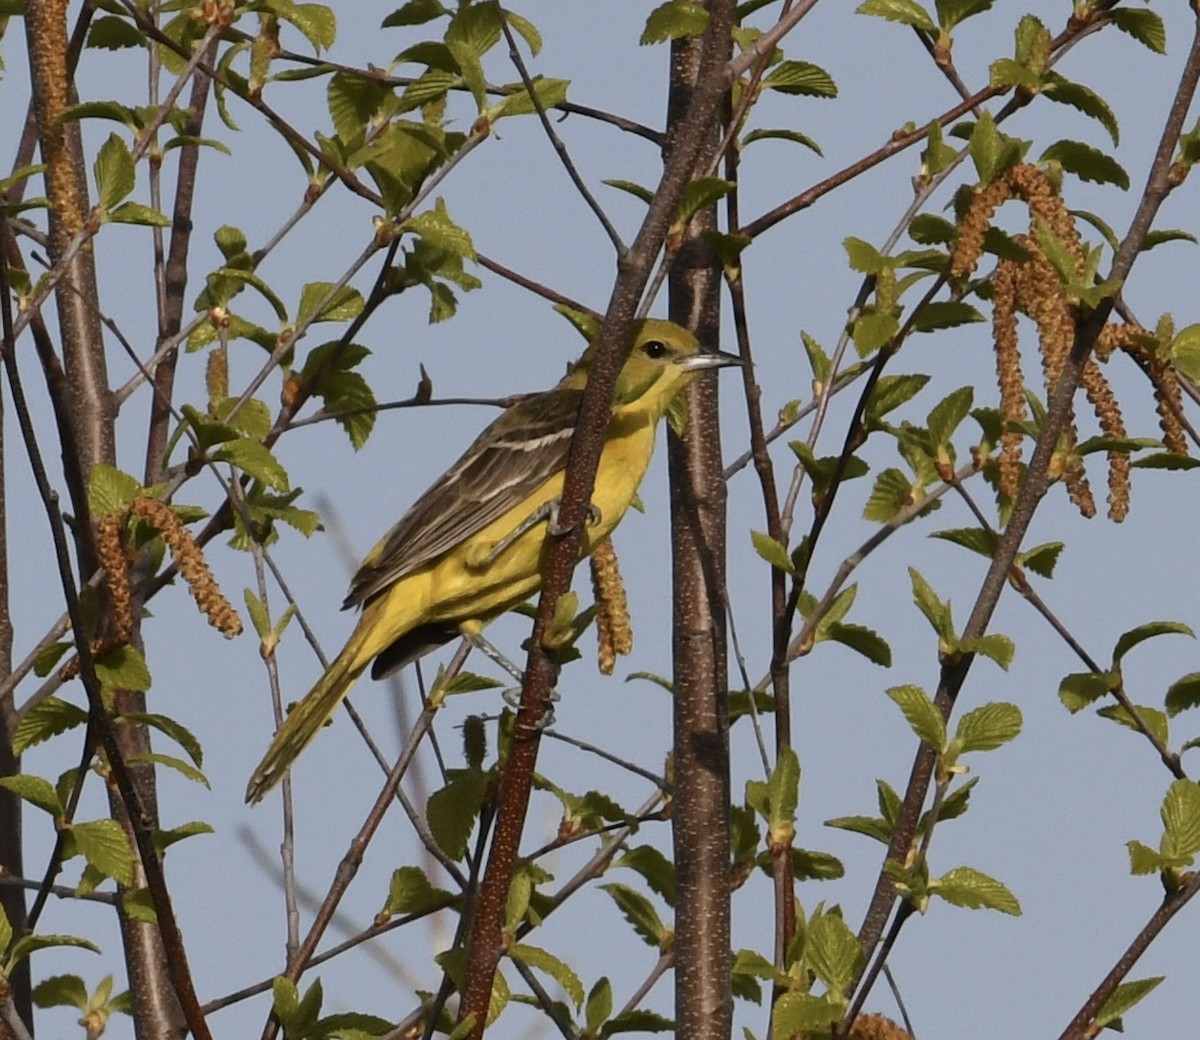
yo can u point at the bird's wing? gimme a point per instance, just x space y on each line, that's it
514 456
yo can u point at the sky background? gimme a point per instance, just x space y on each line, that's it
1052 812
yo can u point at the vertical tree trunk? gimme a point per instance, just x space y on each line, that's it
703 997
91 421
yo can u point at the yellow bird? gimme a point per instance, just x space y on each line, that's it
473 546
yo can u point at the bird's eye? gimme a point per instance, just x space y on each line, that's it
655 349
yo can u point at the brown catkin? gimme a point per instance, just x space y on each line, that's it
1040 295
216 374
191 563
1075 477
111 549
613 628
968 245
1044 203
877 1027
1108 413
1008 371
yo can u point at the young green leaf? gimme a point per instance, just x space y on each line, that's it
557 969
1128 640
114 172
674 20
1127 994
965 886
988 727
1087 163
906 12
923 716
639 912
801 77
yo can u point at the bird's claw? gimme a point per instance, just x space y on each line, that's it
512 697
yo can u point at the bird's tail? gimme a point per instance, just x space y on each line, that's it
310 714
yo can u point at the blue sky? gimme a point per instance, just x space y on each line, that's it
1052 812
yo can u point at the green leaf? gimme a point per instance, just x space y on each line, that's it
893 391
1181 820
1005 73
771 551
946 314
1057 88
111 491
256 459
410 892
1080 689
928 230
783 795
654 867
988 727
906 12
637 1021
629 187
799 1013
976 539
113 169
1087 163
1155 720
1134 636
700 194
935 611
892 493
998 648
34 790
952 12
1127 994
111 33
832 952
599 1006
1144 26
947 415
44 720
639 912
1183 694
342 304
164 839
437 228
862 640
1158 238
986 149
168 726
315 21
123 668
549 93
936 157
1143 859
170 762
801 77
60 990
557 969
346 395
104 845
865 258
873 330
23 947
136 213
1041 559
452 810
923 716
674 20
965 886
794 136
414 12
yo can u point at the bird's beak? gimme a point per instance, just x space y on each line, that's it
707 359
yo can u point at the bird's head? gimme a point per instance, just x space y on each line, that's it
663 359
